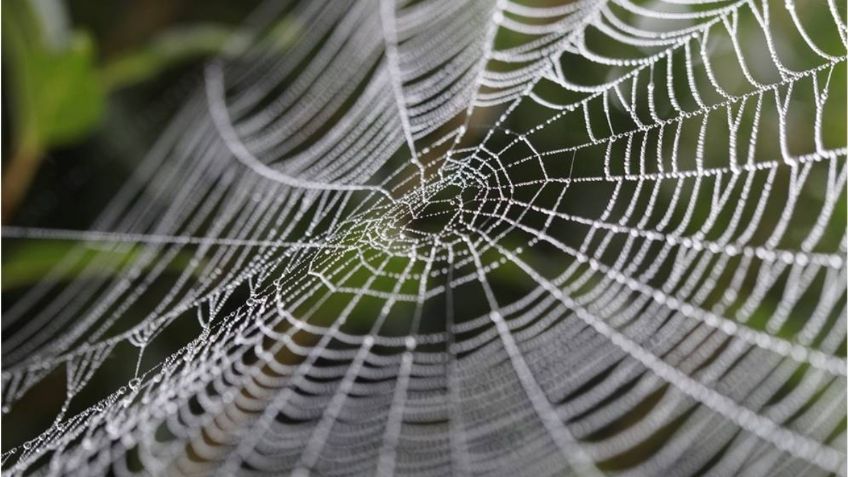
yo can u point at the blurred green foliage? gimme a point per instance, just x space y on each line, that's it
169 48
57 96
59 86
77 81
38 258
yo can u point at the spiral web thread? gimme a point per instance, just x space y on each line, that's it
484 237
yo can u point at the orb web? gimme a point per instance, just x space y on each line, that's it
486 237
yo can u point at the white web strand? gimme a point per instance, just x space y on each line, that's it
485 237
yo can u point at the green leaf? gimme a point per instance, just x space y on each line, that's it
70 100
56 91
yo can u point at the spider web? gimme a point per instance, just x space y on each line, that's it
484 237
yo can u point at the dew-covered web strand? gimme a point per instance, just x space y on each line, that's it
428 238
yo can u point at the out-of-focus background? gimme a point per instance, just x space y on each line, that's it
87 88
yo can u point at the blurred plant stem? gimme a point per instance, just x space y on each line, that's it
19 173
170 48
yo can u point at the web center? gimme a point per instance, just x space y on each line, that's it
436 211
